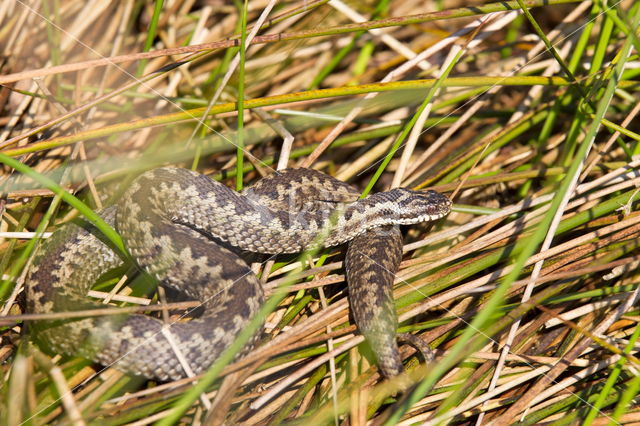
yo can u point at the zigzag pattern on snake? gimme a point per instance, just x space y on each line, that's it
188 232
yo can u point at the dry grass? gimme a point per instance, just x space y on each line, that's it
527 290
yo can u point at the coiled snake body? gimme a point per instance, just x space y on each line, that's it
186 230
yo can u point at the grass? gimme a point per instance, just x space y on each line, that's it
527 291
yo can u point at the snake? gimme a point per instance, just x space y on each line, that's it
192 234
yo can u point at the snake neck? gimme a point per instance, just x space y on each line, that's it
376 211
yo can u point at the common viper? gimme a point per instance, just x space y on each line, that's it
189 233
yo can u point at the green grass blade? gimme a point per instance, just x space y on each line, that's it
68 198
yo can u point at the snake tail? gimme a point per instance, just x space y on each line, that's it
371 262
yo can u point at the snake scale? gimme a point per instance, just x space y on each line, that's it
189 232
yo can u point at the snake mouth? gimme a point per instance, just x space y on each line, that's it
422 218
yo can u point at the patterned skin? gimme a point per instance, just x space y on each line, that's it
185 230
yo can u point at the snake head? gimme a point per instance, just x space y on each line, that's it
419 206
